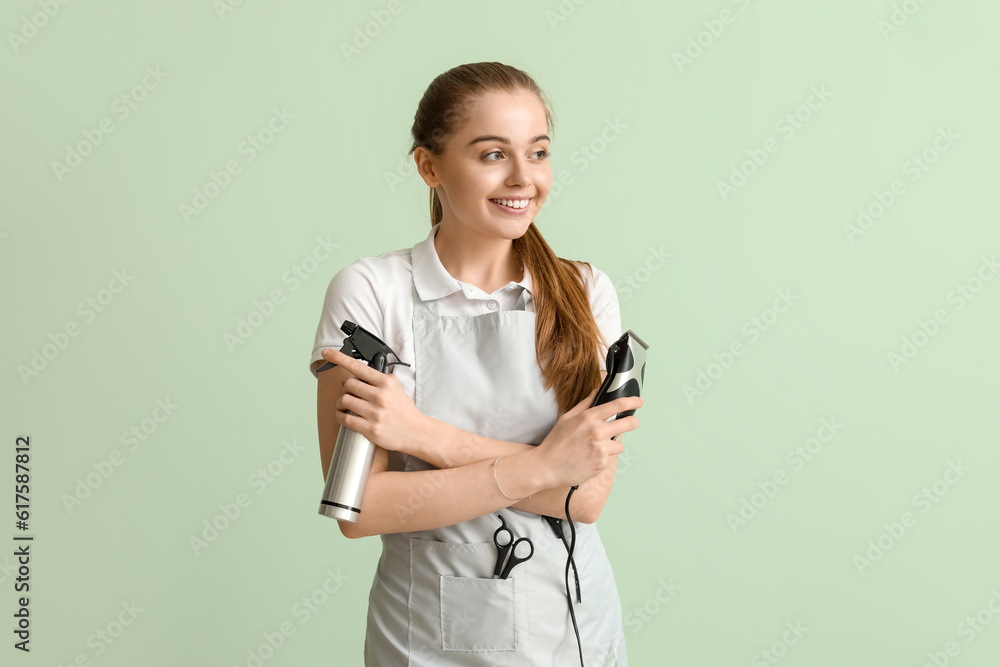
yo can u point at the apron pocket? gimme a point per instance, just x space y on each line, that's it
477 614
457 609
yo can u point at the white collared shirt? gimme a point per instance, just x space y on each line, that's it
376 293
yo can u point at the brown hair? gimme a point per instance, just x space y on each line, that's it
567 337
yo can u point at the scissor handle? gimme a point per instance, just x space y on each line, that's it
514 559
503 539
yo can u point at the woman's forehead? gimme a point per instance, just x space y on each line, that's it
518 117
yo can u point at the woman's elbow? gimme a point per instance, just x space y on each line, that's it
350 530
588 513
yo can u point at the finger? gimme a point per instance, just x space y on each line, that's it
359 388
584 404
355 366
348 420
333 355
613 447
623 425
628 403
353 404
610 409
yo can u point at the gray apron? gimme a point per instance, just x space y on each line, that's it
433 600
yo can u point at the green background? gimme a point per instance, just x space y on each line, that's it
890 90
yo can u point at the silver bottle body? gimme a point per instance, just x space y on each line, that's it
348 476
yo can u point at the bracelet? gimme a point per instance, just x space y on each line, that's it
498 481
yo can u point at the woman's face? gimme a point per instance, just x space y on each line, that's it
500 152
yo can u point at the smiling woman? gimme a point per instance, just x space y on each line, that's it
506 345
494 184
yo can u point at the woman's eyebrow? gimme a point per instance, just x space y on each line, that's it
505 140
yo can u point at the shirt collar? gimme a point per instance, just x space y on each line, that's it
430 277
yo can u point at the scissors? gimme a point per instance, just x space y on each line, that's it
504 540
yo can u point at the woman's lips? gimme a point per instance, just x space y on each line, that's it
511 211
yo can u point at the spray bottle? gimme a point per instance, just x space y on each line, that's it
353 454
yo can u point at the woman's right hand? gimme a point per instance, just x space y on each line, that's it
579 446
376 406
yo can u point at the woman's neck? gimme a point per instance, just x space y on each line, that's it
488 263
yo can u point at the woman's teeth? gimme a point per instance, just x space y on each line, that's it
512 203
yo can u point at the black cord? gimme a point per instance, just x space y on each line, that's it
569 559
556 525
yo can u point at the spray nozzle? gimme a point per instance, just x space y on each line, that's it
363 344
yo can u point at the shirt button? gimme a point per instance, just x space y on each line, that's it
492 305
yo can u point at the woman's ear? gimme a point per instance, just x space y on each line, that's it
424 160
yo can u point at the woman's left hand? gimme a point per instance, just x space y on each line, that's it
383 411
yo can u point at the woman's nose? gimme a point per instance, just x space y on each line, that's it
519 173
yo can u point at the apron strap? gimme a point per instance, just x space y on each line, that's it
521 300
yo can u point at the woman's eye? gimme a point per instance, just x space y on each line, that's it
542 154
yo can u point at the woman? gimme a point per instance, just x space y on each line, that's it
506 347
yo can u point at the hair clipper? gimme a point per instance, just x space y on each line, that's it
626 366
353 454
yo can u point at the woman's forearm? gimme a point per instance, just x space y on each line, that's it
449 447
586 504
397 501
